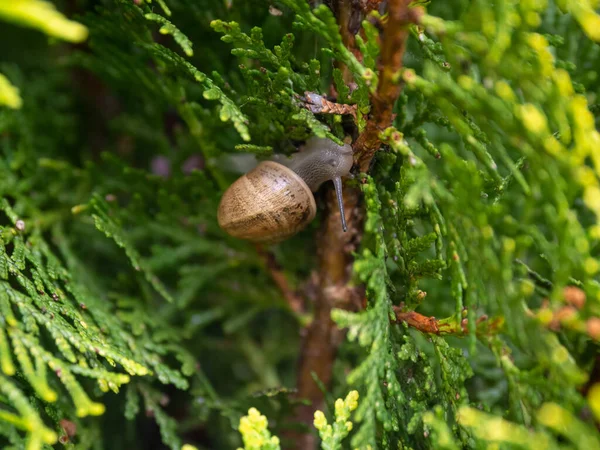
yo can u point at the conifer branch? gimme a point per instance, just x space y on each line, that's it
507 223
322 337
336 247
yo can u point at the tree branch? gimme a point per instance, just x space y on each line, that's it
322 336
335 247
393 45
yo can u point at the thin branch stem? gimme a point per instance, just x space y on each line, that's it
450 326
393 45
295 301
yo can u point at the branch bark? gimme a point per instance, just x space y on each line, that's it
393 45
322 338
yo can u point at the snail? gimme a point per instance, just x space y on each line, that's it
274 200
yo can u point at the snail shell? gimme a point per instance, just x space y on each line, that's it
267 205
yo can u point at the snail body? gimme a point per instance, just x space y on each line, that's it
274 200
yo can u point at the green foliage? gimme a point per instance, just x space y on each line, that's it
256 436
42 15
120 297
9 94
169 28
44 307
332 435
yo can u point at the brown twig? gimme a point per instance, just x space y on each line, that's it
451 326
393 44
429 325
317 104
292 298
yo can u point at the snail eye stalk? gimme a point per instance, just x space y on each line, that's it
337 182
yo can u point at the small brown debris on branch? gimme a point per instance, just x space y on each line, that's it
430 325
418 321
317 104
